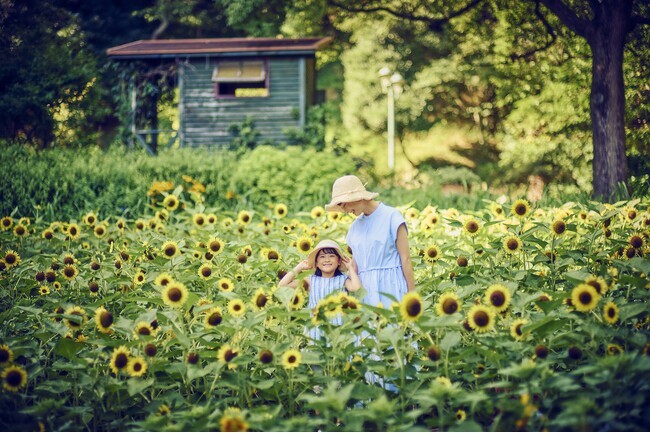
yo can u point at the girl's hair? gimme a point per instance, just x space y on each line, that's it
318 272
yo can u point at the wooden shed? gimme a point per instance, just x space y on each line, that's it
222 82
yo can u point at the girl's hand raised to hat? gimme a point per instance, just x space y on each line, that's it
350 264
302 266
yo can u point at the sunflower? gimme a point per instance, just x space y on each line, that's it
119 359
139 278
515 329
636 241
78 320
317 212
462 261
498 297
447 304
541 351
472 226
233 421
291 359
497 210
103 320
171 202
215 245
163 410
270 254
20 230
512 244
175 294
630 213
137 366
199 219
574 352
411 307
150 350
6 355
47 234
431 254
12 259
44 290
143 329
434 353
73 231
6 223
461 415
227 353
170 249
304 244
205 271
260 299
227 222
558 228
611 312
614 349
520 208
120 224
584 297
598 283
225 285
265 356
280 210
236 307
480 318
163 279
297 300
140 224
14 378
213 317
244 217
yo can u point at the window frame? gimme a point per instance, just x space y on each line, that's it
265 83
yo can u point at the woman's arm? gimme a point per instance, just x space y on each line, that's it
352 283
402 244
289 278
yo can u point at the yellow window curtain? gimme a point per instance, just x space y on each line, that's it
233 72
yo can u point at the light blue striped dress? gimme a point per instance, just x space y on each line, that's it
372 241
320 288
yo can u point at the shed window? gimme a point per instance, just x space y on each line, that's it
241 79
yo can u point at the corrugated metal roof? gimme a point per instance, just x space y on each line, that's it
172 47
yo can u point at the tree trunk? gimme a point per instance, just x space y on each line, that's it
607 102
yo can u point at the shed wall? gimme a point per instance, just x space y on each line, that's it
206 119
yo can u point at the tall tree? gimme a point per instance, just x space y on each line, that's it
604 24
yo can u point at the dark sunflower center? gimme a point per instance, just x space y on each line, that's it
76 321
472 227
611 312
273 255
206 272
481 318
432 253
585 298
215 319
520 210
433 353
144 331
236 307
215 246
518 330
170 251
636 242
261 301
450 306
174 294
513 244
498 298
229 355
413 308
291 359
137 367
10 259
150 349
266 357
4 356
106 319
559 227
14 378
121 360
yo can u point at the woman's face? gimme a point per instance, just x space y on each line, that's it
353 207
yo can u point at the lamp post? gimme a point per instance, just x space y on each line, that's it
391 84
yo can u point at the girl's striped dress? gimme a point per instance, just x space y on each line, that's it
320 288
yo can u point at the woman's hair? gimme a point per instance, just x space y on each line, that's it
318 272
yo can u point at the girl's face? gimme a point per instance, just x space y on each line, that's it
327 262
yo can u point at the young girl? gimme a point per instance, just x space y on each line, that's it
328 278
378 240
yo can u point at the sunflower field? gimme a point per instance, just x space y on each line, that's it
525 318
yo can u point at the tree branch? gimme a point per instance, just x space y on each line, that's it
567 16
434 23
549 30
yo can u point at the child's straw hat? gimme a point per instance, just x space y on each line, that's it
326 243
347 189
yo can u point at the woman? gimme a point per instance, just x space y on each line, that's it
378 240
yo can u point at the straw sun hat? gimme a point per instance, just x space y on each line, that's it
326 243
347 189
